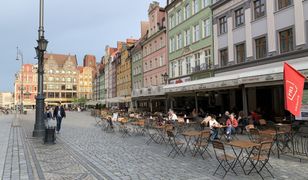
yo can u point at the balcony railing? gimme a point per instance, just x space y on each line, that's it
150 91
201 67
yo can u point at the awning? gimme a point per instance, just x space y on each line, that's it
119 99
262 73
91 103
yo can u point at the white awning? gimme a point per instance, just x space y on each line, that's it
257 74
119 99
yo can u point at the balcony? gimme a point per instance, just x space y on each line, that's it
201 67
150 91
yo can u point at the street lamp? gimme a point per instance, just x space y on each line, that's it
165 76
40 50
19 56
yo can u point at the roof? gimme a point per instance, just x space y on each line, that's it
60 58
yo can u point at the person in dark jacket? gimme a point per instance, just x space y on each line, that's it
59 113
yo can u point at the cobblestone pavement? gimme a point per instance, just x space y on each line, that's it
84 151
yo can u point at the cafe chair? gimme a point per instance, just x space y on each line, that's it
254 135
176 145
202 143
260 160
225 160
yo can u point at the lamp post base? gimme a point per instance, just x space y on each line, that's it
38 133
39 126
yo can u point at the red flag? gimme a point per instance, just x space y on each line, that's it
293 89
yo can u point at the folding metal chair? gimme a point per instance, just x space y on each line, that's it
202 143
175 144
225 160
261 159
254 135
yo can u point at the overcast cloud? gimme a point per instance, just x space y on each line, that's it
75 27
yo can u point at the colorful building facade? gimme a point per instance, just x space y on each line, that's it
29 75
60 79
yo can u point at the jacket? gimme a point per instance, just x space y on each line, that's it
62 112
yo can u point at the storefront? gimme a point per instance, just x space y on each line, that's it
257 88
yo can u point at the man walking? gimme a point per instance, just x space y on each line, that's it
59 113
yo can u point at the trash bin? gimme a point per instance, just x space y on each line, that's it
25 112
50 137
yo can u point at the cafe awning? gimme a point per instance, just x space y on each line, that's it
258 74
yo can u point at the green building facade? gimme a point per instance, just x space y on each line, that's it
189 40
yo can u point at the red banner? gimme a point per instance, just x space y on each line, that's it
293 89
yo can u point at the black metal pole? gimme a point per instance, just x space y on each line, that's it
39 128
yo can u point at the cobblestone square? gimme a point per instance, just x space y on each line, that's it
84 151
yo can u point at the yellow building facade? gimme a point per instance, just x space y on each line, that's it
60 79
85 86
124 83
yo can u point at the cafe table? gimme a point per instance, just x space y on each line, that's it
188 136
282 131
246 145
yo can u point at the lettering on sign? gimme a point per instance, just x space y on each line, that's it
292 90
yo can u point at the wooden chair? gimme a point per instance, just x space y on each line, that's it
175 144
261 159
254 135
225 160
202 143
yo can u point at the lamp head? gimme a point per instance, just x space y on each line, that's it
42 44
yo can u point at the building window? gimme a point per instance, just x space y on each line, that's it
222 25
224 57
207 58
171 20
172 70
180 67
188 65
206 28
286 41
161 61
283 3
195 6
187 11
179 16
197 62
240 53
196 36
187 37
260 48
259 8
239 17
205 3
179 37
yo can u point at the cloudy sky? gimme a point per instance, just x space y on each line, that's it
71 27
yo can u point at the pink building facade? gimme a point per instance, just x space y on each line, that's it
29 84
154 48
154 52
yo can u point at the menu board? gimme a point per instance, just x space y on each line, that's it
304 108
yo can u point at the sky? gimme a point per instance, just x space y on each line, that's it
71 27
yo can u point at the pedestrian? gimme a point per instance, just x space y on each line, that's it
59 113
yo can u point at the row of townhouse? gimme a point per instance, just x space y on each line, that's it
211 55
64 81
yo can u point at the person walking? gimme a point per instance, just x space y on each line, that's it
59 113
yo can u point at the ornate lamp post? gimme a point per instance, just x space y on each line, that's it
165 76
20 56
40 50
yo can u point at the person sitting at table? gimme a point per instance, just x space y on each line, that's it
172 116
213 124
231 125
242 120
205 122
